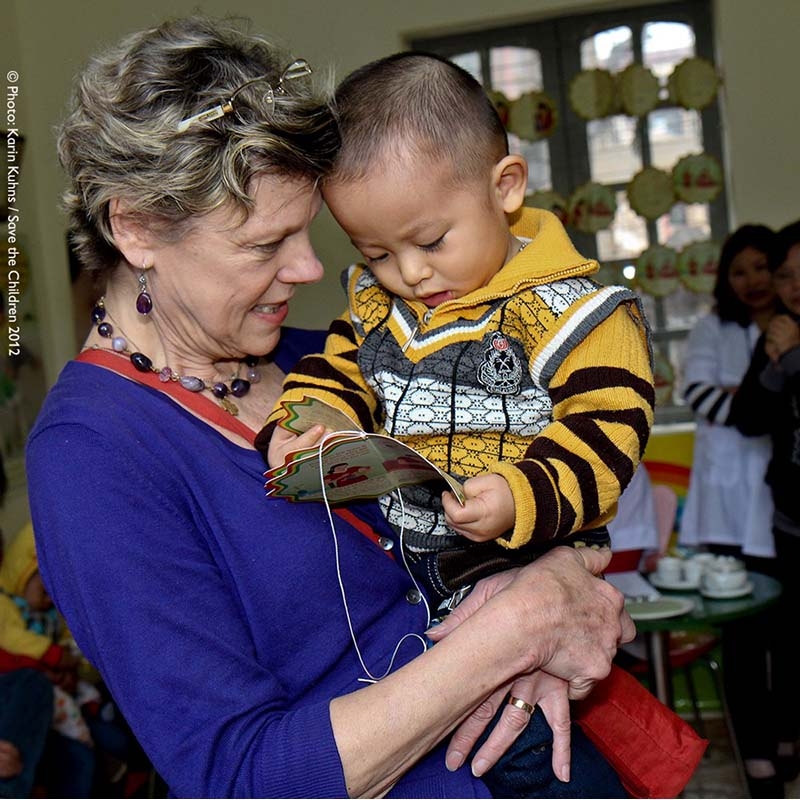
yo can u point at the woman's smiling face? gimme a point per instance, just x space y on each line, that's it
224 286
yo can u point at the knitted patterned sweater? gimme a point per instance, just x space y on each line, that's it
542 376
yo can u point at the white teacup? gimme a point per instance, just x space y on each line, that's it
724 580
693 571
670 569
704 559
728 564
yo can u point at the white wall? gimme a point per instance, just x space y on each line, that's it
46 41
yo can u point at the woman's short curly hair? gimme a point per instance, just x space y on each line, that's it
120 138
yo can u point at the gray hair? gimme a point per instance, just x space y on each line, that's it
121 139
421 105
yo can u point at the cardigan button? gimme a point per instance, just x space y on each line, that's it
385 543
414 597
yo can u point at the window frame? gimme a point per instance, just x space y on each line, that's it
558 41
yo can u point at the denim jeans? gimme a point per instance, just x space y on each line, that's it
525 770
26 711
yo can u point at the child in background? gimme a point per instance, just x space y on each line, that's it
30 626
33 634
475 335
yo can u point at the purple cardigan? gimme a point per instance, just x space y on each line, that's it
212 612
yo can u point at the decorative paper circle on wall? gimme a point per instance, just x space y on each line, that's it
697 266
697 178
502 105
694 83
663 379
532 116
650 192
592 207
592 93
550 201
638 90
657 270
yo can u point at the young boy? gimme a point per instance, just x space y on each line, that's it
473 332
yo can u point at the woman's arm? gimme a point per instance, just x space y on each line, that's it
702 390
552 614
754 407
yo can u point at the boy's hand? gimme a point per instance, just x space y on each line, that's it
284 442
488 511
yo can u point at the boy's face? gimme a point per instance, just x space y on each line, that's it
424 237
36 595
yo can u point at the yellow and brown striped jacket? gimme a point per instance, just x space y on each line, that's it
543 376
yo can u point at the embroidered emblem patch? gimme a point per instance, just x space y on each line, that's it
500 372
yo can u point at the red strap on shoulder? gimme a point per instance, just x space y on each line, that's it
205 407
196 401
362 527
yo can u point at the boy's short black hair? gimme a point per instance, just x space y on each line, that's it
421 105
728 306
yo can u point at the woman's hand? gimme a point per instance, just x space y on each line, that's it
783 333
579 647
546 693
552 614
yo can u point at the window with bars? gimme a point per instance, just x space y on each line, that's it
545 56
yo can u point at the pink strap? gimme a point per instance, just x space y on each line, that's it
196 401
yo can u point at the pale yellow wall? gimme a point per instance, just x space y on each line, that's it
47 40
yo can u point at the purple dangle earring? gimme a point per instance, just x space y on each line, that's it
144 303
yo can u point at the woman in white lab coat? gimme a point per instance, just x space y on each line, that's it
728 503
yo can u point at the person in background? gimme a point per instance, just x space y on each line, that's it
635 526
727 503
768 403
728 507
30 627
26 712
26 709
213 613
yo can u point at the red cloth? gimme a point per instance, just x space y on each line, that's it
653 750
11 661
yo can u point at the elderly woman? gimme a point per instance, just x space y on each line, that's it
222 621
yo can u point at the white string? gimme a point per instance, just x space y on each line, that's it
370 677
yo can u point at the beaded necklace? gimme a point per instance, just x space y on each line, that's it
239 387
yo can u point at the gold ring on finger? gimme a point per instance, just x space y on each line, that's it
526 707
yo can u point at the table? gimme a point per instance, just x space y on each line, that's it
706 613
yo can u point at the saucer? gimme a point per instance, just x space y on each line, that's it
661 608
727 594
675 586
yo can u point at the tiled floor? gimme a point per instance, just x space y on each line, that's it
717 775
